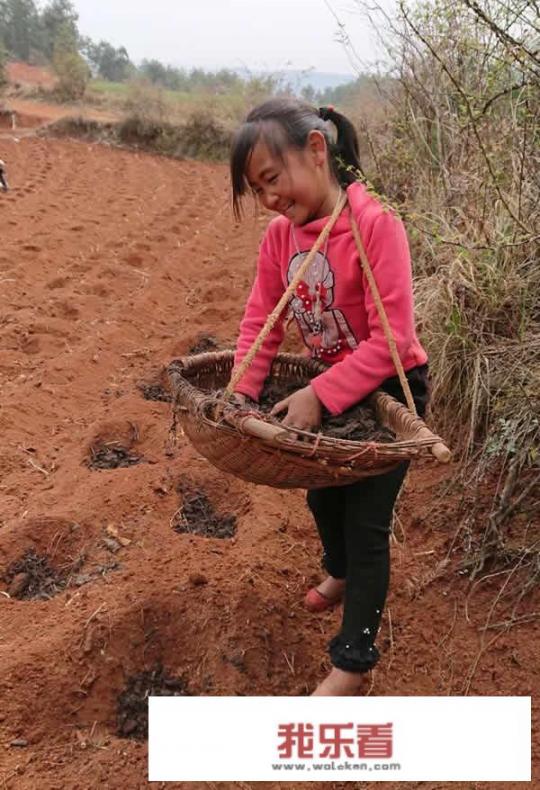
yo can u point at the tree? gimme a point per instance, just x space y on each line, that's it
309 93
59 17
71 68
20 31
107 61
154 71
3 73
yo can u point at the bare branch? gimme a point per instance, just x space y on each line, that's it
470 113
503 35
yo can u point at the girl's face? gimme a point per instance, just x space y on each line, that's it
300 187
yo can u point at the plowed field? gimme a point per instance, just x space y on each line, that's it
111 264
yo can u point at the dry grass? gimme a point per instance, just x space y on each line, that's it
200 137
454 145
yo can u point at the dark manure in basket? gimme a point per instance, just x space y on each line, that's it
111 456
32 577
132 704
197 516
357 424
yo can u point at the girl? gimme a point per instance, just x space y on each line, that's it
285 155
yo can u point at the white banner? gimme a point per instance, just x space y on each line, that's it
307 739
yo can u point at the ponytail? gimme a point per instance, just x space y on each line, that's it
345 151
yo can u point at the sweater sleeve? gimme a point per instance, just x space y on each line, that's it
364 369
265 294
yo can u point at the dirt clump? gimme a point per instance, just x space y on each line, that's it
204 343
154 391
198 516
32 577
112 457
132 706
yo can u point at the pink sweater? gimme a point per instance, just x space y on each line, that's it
333 306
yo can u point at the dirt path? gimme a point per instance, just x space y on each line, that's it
111 264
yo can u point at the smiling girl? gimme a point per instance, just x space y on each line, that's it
284 154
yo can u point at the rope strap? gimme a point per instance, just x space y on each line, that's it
276 312
387 329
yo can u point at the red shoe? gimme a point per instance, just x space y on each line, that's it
316 601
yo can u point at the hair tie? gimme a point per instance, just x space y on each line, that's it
325 112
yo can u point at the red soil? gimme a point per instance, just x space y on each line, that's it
30 76
111 263
22 121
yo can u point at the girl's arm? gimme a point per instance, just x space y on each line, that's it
265 294
362 371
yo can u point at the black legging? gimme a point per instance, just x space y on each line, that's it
354 524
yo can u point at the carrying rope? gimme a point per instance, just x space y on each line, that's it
387 329
276 312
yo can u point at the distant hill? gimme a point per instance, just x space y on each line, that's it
319 80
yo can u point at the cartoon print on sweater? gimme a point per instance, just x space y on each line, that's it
325 331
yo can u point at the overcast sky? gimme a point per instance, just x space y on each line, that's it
260 34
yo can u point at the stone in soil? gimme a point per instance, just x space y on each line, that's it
197 516
31 576
132 705
112 456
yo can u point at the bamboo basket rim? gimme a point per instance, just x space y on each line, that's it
233 419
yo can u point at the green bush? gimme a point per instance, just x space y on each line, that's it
72 70
201 137
73 76
3 63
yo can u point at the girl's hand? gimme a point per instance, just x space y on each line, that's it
304 410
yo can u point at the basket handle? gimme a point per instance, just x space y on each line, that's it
262 430
276 312
407 426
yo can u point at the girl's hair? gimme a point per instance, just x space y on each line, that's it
282 123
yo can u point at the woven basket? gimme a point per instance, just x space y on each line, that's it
255 449
244 444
